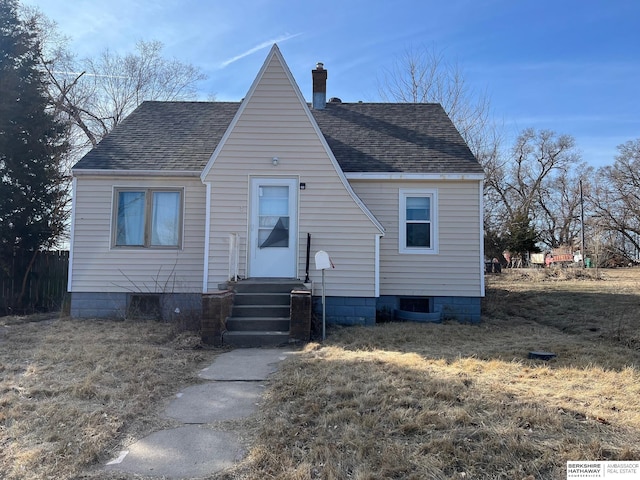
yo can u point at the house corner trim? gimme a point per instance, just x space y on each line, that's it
207 239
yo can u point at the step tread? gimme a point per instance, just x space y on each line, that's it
266 311
253 339
252 319
256 333
279 287
262 293
243 324
261 305
262 299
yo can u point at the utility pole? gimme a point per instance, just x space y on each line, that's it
582 251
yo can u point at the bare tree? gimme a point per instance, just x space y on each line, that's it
558 207
536 156
536 181
423 75
91 96
96 94
615 201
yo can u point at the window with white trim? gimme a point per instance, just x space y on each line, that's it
418 221
147 217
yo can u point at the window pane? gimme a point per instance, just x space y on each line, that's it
274 191
165 219
130 227
418 208
274 200
278 236
273 216
419 235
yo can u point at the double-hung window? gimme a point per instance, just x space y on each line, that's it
148 217
418 221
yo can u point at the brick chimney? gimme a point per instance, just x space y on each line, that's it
319 76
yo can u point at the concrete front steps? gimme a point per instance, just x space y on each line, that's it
261 313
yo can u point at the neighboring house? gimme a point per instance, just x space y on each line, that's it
183 196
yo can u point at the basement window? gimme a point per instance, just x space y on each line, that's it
144 307
415 304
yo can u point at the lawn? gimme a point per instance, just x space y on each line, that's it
72 391
399 400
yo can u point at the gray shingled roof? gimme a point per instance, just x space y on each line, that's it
364 137
163 136
394 137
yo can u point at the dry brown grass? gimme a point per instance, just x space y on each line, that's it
401 400
458 401
72 392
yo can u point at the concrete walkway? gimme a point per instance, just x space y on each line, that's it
198 447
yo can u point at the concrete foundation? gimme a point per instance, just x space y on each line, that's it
363 310
339 310
462 309
347 310
168 307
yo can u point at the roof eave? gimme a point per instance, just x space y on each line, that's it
78 172
413 176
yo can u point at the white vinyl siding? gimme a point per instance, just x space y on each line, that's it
455 269
274 124
98 266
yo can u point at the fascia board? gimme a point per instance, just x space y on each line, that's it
413 176
134 173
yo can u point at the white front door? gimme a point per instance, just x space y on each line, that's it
273 230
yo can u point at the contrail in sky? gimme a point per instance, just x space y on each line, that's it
268 43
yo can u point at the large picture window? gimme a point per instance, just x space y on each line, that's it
418 227
148 217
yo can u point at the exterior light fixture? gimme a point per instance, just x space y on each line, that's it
275 161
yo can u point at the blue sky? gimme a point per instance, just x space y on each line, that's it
565 65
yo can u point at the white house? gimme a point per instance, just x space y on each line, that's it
184 196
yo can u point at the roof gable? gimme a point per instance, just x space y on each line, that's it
358 137
274 94
273 61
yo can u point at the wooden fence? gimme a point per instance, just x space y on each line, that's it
46 285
